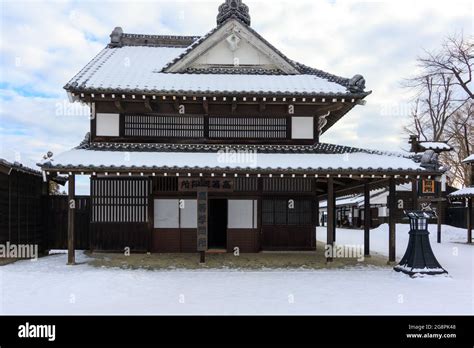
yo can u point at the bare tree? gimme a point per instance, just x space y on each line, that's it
460 134
454 59
443 105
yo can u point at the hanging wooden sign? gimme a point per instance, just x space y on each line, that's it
202 219
212 184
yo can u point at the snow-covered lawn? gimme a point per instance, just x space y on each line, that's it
48 286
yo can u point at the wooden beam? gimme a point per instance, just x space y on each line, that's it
205 106
391 220
316 208
118 104
367 219
331 204
414 192
71 258
330 107
340 183
358 186
148 105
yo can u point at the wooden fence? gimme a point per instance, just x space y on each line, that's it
55 214
20 209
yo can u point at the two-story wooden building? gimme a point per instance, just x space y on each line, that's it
212 142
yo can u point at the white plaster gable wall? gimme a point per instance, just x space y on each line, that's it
253 49
222 54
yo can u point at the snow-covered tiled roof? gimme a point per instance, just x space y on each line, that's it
260 148
462 193
138 69
25 166
434 145
91 159
377 196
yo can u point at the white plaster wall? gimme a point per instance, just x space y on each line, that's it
222 54
302 128
240 213
383 211
166 213
188 214
107 125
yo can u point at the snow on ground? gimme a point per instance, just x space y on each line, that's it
48 286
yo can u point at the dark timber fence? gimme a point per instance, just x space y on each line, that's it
56 210
457 216
20 208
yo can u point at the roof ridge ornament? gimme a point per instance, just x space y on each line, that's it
116 37
233 8
357 83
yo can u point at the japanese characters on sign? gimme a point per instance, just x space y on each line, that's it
428 186
202 219
212 184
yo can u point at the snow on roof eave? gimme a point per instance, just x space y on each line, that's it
253 170
20 167
434 145
322 148
466 192
95 160
225 93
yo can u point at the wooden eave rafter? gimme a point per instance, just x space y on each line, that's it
321 175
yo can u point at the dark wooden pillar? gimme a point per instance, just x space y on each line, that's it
366 219
469 219
414 193
391 221
316 210
315 222
71 258
331 227
202 223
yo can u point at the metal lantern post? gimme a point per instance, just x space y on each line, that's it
419 257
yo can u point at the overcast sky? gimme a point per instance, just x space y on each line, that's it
45 43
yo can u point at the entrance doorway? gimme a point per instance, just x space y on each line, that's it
217 227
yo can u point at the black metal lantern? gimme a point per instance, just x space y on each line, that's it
419 257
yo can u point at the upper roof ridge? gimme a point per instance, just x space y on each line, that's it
233 9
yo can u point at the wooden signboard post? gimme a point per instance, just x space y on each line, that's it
202 222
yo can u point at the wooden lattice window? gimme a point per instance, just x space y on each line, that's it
119 199
165 184
287 185
284 212
246 184
164 126
247 127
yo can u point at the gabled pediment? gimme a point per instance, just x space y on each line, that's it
233 46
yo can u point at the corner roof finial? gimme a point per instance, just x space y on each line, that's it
233 8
